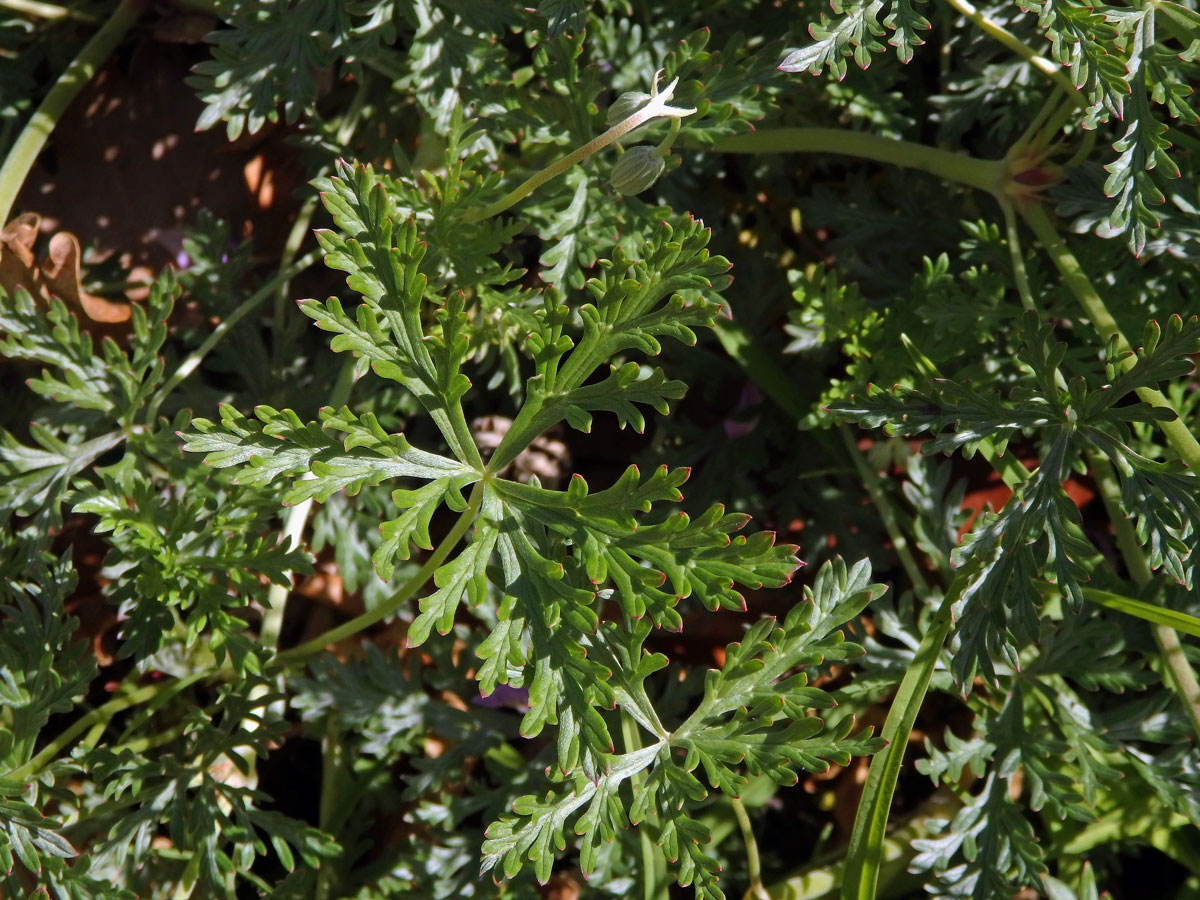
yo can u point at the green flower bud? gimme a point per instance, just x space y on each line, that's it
626 105
636 170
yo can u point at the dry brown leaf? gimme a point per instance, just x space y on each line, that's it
97 622
561 886
56 276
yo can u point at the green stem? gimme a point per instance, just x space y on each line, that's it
1054 125
1034 135
92 738
149 742
989 175
1181 622
300 228
466 446
1123 530
385 67
189 365
331 777
189 877
283 277
389 606
1176 432
33 137
820 879
101 715
1084 151
654 884
865 853
1002 35
664 146
753 864
1182 676
1019 275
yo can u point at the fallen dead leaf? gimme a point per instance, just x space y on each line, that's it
58 275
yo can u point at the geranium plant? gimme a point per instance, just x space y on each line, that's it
402 592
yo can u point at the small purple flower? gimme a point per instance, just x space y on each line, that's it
505 696
736 427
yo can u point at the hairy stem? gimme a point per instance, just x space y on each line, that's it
989 175
389 606
37 131
1176 431
651 111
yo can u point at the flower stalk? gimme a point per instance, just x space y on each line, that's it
656 107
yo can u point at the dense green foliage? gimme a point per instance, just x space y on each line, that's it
531 217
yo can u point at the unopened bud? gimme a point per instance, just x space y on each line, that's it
637 169
626 105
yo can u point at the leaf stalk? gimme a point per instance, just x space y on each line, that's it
654 884
887 513
102 715
985 174
755 891
865 854
1182 676
1006 38
1178 435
